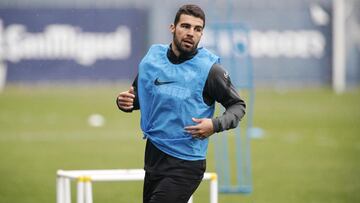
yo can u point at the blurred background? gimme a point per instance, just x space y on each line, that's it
62 64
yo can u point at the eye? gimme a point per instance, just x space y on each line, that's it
198 29
187 26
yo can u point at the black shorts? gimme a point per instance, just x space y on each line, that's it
169 179
168 189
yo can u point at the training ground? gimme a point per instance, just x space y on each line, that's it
309 152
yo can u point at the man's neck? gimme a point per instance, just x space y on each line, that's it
181 57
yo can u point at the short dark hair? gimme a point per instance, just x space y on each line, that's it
192 10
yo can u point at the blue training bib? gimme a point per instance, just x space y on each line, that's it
170 95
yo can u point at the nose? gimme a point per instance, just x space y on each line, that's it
190 32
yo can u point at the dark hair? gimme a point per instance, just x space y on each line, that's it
192 10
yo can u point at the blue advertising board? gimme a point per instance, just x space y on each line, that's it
72 44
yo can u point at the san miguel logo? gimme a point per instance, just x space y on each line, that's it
63 42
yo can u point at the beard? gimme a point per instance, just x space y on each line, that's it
183 49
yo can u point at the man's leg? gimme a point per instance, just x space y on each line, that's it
162 189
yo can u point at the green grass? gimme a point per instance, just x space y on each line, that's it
310 151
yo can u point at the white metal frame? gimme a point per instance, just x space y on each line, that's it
85 178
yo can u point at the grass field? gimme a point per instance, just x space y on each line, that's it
310 152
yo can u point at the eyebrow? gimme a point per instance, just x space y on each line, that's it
196 26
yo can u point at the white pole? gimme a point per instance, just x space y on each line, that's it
190 200
88 191
59 190
67 190
3 71
339 52
214 189
80 190
3 68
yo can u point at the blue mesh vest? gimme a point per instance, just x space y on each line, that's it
170 95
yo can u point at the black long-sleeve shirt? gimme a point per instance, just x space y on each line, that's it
218 87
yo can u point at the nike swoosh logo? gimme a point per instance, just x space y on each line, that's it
157 82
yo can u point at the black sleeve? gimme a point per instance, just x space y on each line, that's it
218 87
136 100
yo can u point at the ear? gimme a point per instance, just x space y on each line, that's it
172 28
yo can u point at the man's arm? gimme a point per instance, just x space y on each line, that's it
219 88
128 101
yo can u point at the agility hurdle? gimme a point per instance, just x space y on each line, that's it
85 178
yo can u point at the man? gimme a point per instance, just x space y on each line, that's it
175 90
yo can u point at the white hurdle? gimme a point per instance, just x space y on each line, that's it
85 178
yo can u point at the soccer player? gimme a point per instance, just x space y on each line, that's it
175 90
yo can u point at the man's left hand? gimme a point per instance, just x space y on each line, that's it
203 129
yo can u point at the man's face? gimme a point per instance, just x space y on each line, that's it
187 34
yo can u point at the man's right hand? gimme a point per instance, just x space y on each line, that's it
125 100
